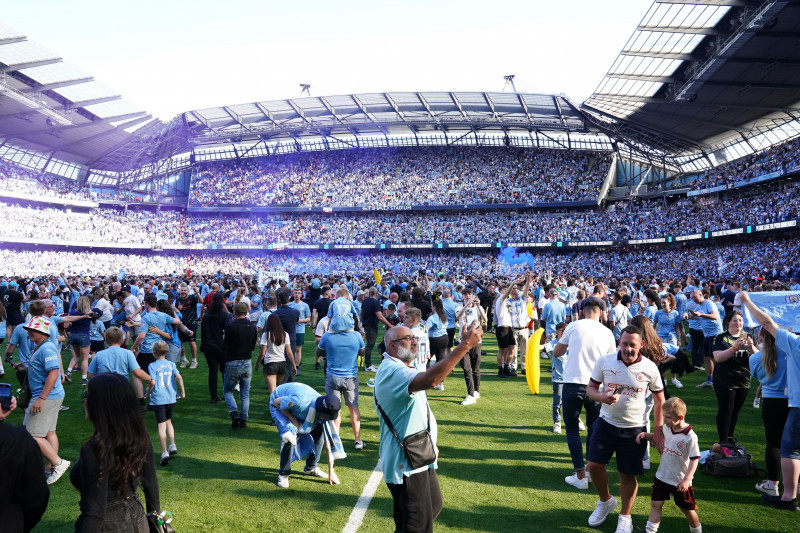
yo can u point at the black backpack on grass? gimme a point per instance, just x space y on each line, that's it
734 461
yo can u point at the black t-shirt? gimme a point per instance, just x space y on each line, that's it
396 288
369 307
424 306
321 307
735 372
12 301
188 308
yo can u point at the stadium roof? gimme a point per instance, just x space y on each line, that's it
698 77
387 114
51 107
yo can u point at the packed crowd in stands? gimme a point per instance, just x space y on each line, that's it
622 221
16 179
403 177
780 157
776 259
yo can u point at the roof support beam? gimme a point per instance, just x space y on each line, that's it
331 110
491 106
30 64
114 148
12 40
622 99
298 111
658 55
363 109
640 77
427 107
560 112
679 29
93 101
395 106
55 85
732 3
267 112
458 105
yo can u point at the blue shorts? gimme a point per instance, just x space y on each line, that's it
790 443
608 439
300 338
79 339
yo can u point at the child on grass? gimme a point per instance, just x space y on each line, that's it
678 464
557 376
96 334
161 390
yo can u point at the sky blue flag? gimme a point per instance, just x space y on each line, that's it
782 306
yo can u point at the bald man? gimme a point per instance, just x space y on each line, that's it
400 397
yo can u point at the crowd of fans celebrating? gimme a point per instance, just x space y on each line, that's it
16 179
393 178
623 220
776 158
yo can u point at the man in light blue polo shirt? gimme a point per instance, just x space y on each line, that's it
450 309
553 313
341 376
708 314
400 397
790 443
300 332
47 394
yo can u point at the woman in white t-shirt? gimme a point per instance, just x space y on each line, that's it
278 351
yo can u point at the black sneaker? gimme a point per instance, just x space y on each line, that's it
242 423
511 372
790 505
316 367
234 419
501 373
215 399
68 377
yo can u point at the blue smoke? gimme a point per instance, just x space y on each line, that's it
510 256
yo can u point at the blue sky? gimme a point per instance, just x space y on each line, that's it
171 56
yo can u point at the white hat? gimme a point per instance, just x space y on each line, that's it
40 324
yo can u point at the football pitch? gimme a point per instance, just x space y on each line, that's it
501 468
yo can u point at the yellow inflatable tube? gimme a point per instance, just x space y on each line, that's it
532 366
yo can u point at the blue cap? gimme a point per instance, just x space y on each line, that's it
13 284
161 296
564 295
3 283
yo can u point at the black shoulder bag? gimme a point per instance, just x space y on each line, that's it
418 447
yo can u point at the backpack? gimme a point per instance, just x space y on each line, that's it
733 461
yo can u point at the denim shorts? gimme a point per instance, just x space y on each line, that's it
79 339
790 443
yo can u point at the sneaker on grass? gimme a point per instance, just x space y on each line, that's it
624 524
283 481
581 425
63 408
184 363
360 445
371 368
193 363
164 459
173 450
469 400
601 511
477 395
557 428
440 386
706 385
58 471
576 482
678 384
768 488
786 505
315 472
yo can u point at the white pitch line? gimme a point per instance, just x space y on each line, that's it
360 509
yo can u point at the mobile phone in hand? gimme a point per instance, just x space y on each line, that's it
5 396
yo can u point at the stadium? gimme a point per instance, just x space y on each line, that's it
683 166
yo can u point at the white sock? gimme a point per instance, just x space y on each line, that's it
651 527
698 529
85 376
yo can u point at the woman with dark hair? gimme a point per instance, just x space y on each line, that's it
653 304
732 350
279 350
769 368
79 339
114 461
212 344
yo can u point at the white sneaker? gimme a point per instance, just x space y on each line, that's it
767 488
601 511
164 458
646 464
184 363
371 368
476 395
557 428
544 356
581 426
582 484
469 400
678 384
440 386
173 450
315 472
283 481
194 364
756 403
58 471
624 524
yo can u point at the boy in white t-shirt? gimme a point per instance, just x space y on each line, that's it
678 464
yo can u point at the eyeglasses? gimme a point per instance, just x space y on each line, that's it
409 338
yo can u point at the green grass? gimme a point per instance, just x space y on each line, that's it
501 469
